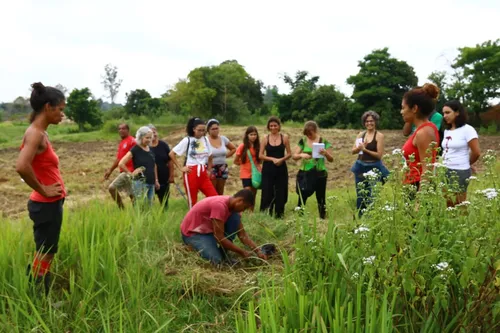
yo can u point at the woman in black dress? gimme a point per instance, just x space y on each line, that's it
274 170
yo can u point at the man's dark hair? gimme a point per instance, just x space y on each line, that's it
247 196
126 126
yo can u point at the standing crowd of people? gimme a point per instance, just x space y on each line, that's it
147 164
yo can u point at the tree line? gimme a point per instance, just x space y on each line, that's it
228 92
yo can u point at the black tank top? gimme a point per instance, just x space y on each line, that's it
371 146
275 151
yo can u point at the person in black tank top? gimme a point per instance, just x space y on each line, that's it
369 146
276 147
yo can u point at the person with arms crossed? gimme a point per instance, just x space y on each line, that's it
38 166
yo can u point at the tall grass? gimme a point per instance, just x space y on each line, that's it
395 270
118 271
399 270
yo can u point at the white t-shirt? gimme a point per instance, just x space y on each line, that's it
198 152
219 154
455 147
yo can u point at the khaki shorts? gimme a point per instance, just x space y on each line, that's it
122 183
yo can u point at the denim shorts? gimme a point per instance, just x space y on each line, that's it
458 179
143 191
220 171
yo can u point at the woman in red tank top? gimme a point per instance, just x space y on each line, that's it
416 107
38 166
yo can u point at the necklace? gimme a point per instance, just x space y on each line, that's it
274 139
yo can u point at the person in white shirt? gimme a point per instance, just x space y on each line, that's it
198 163
460 150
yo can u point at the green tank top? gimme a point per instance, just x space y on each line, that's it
318 163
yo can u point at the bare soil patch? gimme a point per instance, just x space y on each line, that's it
83 165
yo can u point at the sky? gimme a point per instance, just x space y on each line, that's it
155 43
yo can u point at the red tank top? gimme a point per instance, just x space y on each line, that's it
46 168
409 149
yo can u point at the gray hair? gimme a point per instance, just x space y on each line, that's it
153 127
141 133
372 114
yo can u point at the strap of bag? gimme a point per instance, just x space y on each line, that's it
187 151
250 158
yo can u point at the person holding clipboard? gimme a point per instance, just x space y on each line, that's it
312 176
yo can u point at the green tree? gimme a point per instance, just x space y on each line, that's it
140 103
478 78
310 101
225 91
111 82
440 79
380 85
82 108
296 105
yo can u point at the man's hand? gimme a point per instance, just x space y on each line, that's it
261 255
246 254
107 174
53 190
171 179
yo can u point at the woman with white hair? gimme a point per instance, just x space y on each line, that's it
369 146
145 175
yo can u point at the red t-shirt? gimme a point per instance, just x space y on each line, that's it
415 172
199 219
46 169
246 168
123 148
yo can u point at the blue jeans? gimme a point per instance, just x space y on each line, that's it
206 244
143 191
364 190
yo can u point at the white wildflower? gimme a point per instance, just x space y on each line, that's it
450 208
355 275
298 209
464 203
368 260
362 228
397 151
388 208
441 266
370 175
438 165
489 193
472 178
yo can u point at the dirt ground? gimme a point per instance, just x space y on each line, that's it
83 165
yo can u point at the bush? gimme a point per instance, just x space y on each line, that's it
492 129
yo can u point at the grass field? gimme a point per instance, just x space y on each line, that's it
396 270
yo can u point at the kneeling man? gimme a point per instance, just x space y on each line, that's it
212 224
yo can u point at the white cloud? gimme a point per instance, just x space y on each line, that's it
154 43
